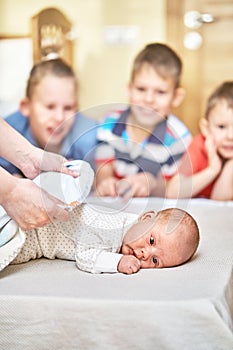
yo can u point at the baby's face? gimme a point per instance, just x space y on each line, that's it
149 242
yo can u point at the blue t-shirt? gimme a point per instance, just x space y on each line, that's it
79 143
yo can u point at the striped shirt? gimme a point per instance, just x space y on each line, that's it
159 152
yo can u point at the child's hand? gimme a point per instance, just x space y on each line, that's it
107 187
215 162
223 187
128 264
139 185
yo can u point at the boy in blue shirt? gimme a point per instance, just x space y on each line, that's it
48 116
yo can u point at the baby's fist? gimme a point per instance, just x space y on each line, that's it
128 264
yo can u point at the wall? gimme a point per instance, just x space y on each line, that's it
103 69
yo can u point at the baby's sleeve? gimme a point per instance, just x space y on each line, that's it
107 262
96 260
100 238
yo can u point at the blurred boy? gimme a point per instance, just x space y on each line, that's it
47 116
206 170
143 143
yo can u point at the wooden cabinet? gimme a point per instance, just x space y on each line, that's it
50 31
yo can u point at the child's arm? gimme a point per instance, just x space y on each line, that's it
223 187
185 184
141 185
182 186
105 182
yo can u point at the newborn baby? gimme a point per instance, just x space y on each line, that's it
100 239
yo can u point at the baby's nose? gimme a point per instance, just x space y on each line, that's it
138 253
146 253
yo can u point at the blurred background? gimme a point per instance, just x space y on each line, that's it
100 39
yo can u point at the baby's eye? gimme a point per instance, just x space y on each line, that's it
152 240
155 260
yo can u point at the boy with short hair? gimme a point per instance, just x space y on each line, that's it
47 117
145 140
206 170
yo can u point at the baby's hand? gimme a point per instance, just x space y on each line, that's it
128 264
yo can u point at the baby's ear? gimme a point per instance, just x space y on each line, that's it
148 215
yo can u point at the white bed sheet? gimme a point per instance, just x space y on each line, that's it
48 304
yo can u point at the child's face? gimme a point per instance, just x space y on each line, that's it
51 109
220 124
149 242
151 96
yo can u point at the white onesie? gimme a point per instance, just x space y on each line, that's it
92 237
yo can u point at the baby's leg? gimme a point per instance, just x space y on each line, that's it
30 250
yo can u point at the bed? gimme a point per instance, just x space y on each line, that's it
50 304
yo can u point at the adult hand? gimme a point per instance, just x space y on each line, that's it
38 160
128 264
30 206
29 159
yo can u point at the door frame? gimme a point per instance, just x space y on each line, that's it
191 109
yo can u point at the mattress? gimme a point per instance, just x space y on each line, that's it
50 304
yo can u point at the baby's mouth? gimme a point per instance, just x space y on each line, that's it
130 251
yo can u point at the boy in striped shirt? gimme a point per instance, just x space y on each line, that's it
143 143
